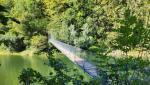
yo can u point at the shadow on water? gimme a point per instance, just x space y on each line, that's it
11 66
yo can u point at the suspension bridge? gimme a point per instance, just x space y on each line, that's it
76 55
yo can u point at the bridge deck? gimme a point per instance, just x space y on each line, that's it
73 54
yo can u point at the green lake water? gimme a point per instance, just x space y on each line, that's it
11 67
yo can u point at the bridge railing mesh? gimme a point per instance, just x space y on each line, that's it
78 56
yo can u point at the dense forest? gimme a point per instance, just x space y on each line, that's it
117 32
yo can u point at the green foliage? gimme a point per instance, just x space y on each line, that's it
79 15
3 18
123 71
13 42
39 42
111 71
84 23
10 40
83 41
131 33
29 76
31 21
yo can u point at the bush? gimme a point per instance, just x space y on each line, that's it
39 42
